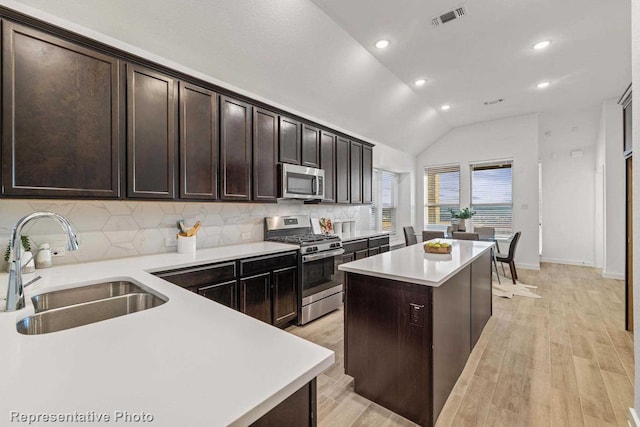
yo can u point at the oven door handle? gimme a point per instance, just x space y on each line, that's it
321 255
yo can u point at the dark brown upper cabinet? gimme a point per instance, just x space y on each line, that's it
151 133
310 146
356 172
198 143
62 133
328 164
265 155
289 141
343 167
367 174
235 149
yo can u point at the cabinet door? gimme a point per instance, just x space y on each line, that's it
310 146
374 251
342 170
289 141
384 248
198 143
362 254
348 258
356 172
235 149
61 124
223 293
328 164
285 295
255 296
265 155
367 174
151 133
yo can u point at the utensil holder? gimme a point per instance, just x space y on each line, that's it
186 245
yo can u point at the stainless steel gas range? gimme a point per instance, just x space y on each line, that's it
320 289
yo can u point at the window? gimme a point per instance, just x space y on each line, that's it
441 193
491 196
382 213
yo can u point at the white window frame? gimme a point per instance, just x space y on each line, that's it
376 209
427 205
500 231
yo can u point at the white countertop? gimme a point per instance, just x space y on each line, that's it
364 235
411 263
188 362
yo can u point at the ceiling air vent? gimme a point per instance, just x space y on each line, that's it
449 16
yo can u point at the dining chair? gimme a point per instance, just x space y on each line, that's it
509 258
431 234
409 235
461 235
485 233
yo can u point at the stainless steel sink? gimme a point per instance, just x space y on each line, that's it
72 316
82 294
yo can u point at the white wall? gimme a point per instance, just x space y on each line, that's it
610 192
513 138
568 185
635 66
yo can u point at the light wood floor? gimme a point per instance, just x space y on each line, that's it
564 360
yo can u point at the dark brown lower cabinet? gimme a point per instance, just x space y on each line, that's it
298 410
255 296
285 295
406 344
362 254
225 293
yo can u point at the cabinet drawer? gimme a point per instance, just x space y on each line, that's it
378 241
204 275
267 263
354 246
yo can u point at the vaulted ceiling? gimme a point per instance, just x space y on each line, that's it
318 58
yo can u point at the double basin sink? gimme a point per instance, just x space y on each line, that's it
74 307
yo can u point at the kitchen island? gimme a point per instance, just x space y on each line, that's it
411 321
187 362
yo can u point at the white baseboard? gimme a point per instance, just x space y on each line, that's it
616 276
567 261
526 266
632 418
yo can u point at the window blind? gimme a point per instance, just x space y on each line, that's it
491 196
441 193
383 210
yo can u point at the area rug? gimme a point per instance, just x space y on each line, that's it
509 290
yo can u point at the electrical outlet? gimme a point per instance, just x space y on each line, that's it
246 236
170 242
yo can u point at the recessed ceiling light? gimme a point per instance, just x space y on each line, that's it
419 82
381 44
542 45
542 85
445 107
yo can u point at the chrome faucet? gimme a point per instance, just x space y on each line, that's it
15 291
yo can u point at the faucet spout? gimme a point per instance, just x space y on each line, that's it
15 291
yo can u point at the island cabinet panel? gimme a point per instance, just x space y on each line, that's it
285 295
151 133
265 155
255 296
235 149
310 146
299 409
397 375
62 130
355 172
367 174
225 293
328 164
481 307
343 168
198 143
451 334
289 141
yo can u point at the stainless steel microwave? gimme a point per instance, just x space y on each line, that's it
301 182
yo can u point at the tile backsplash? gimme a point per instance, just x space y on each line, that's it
115 229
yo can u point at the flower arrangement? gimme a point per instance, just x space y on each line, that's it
464 213
26 244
